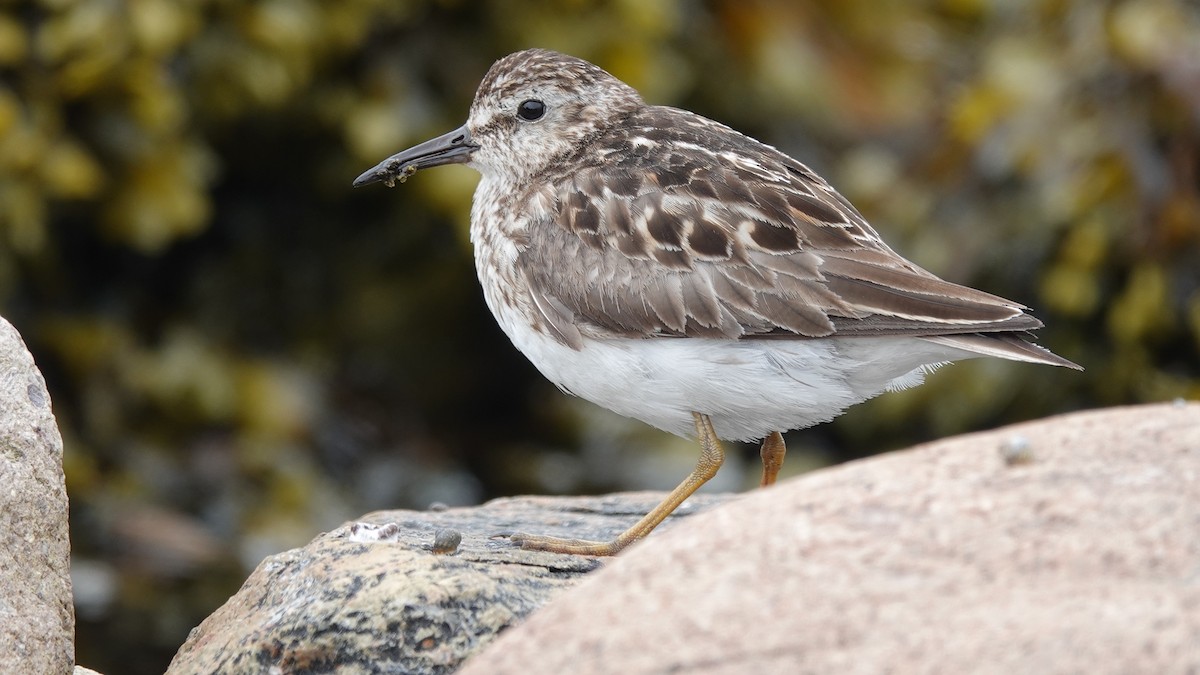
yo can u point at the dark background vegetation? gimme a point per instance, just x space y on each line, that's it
243 351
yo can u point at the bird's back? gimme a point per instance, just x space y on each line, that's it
671 225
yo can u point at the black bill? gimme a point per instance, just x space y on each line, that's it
451 148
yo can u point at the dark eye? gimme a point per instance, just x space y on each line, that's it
531 110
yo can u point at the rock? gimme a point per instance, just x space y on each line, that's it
1063 545
37 618
375 597
1069 544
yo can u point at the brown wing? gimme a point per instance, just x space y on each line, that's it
687 228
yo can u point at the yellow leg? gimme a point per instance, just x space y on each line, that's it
772 452
711 458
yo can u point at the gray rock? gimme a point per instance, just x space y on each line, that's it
37 618
404 591
1081 557
1063 545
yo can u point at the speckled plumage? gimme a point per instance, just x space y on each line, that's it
673 270
659 263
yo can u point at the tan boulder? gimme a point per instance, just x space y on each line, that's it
37 617
1066 545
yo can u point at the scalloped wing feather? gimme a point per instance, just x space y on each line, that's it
680 226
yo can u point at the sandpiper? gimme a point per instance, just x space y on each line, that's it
675 271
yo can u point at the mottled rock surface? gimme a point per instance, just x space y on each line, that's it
37 618
1067 545
375 598
1063 545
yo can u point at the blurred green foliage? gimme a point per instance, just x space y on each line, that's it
242 352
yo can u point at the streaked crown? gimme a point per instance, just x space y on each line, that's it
538 106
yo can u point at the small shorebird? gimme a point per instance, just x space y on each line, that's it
673 270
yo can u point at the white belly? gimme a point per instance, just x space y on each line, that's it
748 387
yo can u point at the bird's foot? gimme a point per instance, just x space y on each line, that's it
537 542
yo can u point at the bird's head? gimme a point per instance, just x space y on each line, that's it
532 108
